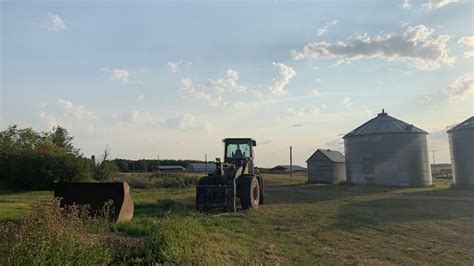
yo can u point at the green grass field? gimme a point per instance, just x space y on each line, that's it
307 223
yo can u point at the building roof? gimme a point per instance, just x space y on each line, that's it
467 124
287 167
384 124
169 167
201 166
334 156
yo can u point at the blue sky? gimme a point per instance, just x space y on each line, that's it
174 78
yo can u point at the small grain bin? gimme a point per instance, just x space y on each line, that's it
387 151
326 166
461 142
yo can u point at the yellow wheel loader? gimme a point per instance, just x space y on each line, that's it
234 178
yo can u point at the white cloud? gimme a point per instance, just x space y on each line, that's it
469 54
141 97
429 4
187 121
49 120
186 85
142 118
67 114
466 40
202 92
348 103
136 117
460 88
324 29
117 74
315 92
435 4
77 111
314 110
277 87
175 66
416 46
229 84
257 93
56 23
407 5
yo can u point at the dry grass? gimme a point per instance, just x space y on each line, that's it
55 236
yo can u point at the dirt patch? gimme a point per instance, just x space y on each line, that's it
269 256
124 243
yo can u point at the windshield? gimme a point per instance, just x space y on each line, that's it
236 151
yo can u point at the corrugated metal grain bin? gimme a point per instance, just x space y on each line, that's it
461 142
326 166
387 151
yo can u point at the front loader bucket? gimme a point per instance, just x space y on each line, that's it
96 195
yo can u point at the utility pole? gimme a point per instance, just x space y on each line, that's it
158 164
205 159
434 159
291 161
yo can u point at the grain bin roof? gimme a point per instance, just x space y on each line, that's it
384 124
468 124
334 156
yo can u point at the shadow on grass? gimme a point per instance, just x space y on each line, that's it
431 205
163 208
310 193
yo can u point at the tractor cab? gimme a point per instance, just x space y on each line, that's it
237 151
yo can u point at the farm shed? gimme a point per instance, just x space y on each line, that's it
201 167
170 168
286 168
461 142
326 166
387 151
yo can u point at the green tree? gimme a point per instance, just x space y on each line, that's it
16 141
61 138
104 168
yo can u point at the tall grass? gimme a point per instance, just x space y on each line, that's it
53 235
161 180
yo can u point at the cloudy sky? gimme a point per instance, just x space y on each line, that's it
174 78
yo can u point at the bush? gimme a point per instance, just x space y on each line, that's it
33 160
176 181
161 180
37 171
56 236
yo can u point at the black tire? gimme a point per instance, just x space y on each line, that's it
249 192
205 180
260 182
